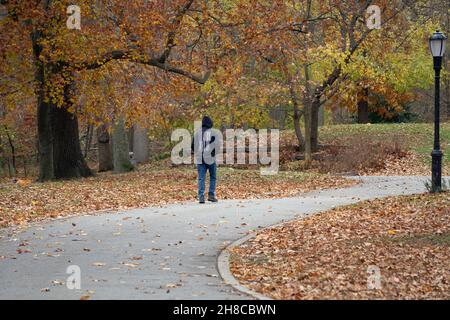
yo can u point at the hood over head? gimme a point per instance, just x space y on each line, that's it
207 122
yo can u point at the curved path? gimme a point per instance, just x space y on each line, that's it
157 253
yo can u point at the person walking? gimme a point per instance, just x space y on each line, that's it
204 148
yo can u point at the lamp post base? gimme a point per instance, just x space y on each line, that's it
436 179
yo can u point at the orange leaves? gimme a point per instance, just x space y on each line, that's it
146 187
24 183
327 256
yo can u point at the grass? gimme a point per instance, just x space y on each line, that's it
420 136
428 239
370 149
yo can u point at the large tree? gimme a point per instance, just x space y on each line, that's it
141 32
313 44
186 38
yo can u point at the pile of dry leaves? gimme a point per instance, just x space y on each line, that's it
408 165
329 255
25 201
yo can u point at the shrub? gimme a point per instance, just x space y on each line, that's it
360 153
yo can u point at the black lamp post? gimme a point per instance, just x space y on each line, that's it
437 47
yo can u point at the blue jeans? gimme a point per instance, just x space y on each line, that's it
202 169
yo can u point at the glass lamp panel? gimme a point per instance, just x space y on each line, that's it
436 47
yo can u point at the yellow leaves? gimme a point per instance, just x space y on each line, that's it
331 51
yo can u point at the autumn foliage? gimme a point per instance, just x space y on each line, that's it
143 60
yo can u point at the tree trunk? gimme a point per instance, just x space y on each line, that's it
45 141
130 135
311 112
13 150
315 107
140 146
121 155
298 130
308 146
363 107
59 147
307 116
89 134
68 159
322 116
105 156
297 114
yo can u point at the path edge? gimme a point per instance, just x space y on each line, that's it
223 260
223 266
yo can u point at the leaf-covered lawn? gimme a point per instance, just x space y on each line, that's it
371 149
327 256
418 137
25 201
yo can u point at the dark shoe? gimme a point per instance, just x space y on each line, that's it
201 200
212 199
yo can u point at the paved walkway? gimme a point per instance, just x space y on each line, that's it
156 253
